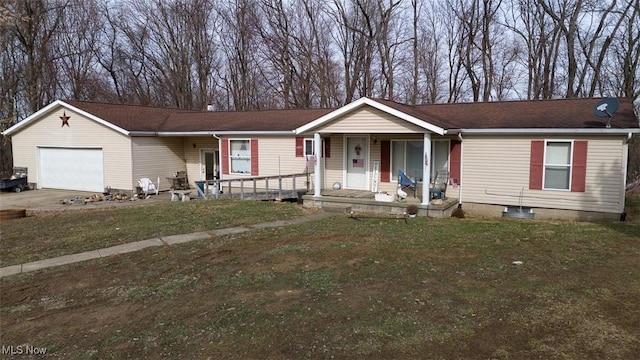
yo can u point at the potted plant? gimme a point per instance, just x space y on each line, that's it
412 210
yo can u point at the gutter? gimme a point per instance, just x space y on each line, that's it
142 133
207 133
272 133
529 131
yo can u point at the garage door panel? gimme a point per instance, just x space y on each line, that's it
71 169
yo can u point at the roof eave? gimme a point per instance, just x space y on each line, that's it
546 131
30 118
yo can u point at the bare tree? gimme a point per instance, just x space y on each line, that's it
76 40
34 28
239 38
251 54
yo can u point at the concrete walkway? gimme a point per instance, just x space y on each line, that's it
139 245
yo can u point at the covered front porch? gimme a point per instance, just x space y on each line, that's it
371 143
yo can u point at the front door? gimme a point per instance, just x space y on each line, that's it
210 164
357 162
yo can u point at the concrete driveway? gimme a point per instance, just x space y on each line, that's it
51 200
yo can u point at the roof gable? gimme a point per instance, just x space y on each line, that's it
53 107
400 111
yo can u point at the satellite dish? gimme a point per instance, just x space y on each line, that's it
605 108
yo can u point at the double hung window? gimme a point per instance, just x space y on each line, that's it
240 156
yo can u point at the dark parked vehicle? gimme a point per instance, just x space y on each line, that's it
17 182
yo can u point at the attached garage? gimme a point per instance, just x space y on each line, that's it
71 169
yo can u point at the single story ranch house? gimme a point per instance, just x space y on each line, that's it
556 157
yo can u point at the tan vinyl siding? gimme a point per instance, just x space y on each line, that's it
276 156
155 157
334 166
194 165
500 174
81 133
372 121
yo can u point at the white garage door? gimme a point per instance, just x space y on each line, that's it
71 169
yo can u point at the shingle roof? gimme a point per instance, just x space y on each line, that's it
532 114
128 117
535 114
145 118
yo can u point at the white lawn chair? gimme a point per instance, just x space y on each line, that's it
148 187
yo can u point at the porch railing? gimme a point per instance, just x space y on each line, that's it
256 188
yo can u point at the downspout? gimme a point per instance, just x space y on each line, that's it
461 167
625 161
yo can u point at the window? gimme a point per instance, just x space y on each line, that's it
407 156
309 149
557 165
240 156
439 156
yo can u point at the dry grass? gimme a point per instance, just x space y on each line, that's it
341 288
67 232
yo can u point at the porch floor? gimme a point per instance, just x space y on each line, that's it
364 201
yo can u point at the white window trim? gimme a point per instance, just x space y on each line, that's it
313 148
231 157
544 164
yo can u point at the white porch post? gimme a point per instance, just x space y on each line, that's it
426 168
317 144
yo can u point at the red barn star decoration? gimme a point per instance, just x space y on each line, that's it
65 119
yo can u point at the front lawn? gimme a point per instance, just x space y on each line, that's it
371 287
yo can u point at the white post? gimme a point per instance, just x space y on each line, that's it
426 168
317 144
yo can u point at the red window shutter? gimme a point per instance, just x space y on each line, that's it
299 147
455 160
327 147
225 156
579 166
385 161
254 157
536 164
